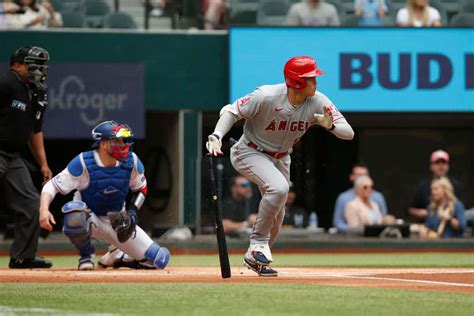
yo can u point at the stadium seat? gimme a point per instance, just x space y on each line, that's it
96 10
243 12
58 5
119 20
466 6
69 5
73 19
462 20
350 20
244 17
341 10
272 12
442 11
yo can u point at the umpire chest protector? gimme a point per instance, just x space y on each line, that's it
108 186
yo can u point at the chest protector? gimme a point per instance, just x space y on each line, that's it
108 186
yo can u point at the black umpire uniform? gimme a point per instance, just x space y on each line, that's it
23 100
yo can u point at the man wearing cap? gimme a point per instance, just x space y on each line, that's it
23 100
240 208
439 165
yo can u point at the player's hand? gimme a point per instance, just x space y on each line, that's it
325 119
46 173
214 145
46 220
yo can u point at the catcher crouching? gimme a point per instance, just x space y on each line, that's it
110 188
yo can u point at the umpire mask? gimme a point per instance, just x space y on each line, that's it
35 59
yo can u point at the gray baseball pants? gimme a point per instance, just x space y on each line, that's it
272 176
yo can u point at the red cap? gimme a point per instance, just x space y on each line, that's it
439 155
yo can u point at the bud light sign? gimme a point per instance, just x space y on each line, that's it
80 96
365 69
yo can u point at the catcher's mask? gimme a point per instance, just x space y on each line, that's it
35 59
119 136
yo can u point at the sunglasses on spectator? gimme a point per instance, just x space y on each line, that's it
366 187
244 184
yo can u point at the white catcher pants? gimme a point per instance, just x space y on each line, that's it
135 247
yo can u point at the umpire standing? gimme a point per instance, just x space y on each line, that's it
23 100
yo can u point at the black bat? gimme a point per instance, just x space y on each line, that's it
221 242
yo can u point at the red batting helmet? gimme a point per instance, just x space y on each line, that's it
298 68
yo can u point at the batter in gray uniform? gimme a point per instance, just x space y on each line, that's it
276 117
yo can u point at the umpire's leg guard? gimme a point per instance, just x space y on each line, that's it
77 227
160 256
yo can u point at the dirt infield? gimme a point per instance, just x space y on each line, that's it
447 279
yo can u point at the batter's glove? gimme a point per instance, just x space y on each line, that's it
214 145
325 119
124 224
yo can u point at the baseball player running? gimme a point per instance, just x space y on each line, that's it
110 188
276 117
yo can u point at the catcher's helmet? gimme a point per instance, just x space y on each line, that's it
298 68
112 130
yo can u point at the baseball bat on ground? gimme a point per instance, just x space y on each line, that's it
221 242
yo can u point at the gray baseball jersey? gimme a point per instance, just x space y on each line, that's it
273 123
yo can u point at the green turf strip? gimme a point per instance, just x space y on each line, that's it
401 260
229 299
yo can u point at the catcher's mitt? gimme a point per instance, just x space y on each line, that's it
124 223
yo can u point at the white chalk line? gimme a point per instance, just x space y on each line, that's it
11 310
402 280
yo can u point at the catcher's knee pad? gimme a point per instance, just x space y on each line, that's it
160 256
76 226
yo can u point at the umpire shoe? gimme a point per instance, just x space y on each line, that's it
28 263
261 270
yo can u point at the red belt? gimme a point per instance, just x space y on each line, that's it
276 155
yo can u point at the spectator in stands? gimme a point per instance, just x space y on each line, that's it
362 210
313 13
239 210
418 13
445 213
34 16
7 8
214 12
158 7
439 165
370 11
339 220
295 216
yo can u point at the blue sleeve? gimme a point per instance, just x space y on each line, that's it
459 215
338 218
75 166
380 200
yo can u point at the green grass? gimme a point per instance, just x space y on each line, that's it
230 299
399 260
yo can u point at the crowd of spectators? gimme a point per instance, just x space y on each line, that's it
218 14
403 13
436 210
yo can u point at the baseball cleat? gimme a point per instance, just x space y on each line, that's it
261 270
86 263
108 260
260 254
